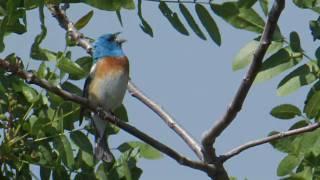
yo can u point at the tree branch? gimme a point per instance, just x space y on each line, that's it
237 102
135 92
271 138
65 23
33 79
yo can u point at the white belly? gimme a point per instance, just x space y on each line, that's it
108 92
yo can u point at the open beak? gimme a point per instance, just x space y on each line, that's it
117 38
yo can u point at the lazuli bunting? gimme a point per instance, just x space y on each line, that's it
106 85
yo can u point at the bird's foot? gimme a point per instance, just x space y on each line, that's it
100 111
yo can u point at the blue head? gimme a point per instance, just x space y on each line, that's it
108 45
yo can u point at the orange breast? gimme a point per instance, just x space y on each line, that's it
111 65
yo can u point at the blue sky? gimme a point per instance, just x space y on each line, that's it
190 78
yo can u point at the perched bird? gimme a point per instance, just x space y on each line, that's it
106 85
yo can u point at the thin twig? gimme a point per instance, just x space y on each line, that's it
237 102
33 79
135 92
132 88
66 24
271 138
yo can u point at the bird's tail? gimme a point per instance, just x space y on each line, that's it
102 151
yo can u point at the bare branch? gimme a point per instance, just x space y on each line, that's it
133 89
66 24
237 102
33 79
274 137
135 92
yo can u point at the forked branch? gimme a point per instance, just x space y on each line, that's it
66 24
33 79
242 92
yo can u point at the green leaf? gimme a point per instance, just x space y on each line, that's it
68 86
65 64
285 111
317 54
284 144
299 124
245 55
308 4
299 77
126 170
111 5
306 174
29 93
60 173
42 71
144 24
84 175
121 113
307 143
33 125
118 13
81 141
84 20
101 173
63 146
264 6
44 154
128 4
277 63
315 88
315 29
45 173
287 165
2 32
85 63
312 108
239 17
37 52
146 151
190 20
172 18
30 4
246 3
208 23
295 42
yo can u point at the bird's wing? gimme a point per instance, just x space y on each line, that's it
85 92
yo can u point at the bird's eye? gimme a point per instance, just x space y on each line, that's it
112 38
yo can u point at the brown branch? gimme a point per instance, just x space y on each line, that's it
271 138
134 90
72 31
33 79
237 102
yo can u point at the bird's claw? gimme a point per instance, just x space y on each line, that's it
100 111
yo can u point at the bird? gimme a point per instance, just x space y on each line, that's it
106 85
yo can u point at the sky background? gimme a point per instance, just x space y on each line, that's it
191 78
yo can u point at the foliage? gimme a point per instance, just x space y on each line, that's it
41 129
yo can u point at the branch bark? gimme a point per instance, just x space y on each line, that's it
33 79
271 138
135 92
66 24
242 92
